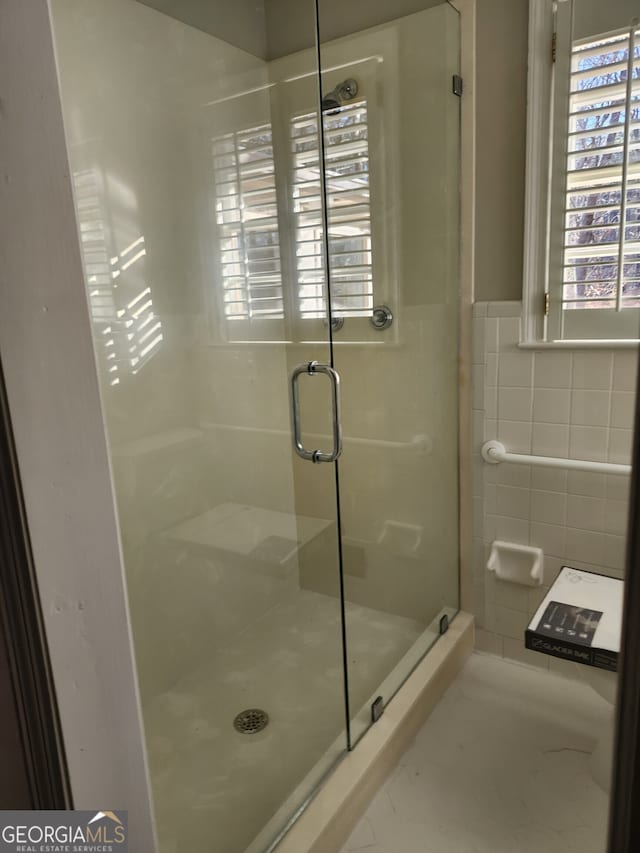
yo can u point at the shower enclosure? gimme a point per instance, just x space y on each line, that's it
267 201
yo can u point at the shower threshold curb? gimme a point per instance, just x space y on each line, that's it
332 814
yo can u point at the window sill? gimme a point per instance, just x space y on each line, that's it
586 344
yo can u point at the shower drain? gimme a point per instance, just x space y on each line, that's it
251 721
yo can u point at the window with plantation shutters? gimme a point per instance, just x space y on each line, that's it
258 174
601 246
346 149
247 220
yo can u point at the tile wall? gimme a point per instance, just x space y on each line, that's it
577 404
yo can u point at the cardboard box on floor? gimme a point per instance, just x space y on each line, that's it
580 619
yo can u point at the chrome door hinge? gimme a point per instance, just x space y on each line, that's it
547 303
554 46
457 85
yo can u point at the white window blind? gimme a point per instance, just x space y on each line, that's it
348 210
247 218
601 255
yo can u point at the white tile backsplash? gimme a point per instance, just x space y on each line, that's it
591 408
550 439
549 479
490 430
511 475
592 370
622 403
586 483
478 347
625 365
617 488
513 501
491 334
552 369
514 404
577 404
508 622
511 529
487 641
491 369
620 445
516 435
548 507
551 405
512 595
588 442
551 538
509 333
491 401
585 545
615 548
515 367
615 517
585 513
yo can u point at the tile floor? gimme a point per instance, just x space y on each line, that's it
501 766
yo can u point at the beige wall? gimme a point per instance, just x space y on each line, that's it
501 126
593 16
275 28
241 23
290 23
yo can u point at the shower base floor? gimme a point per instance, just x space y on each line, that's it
215 788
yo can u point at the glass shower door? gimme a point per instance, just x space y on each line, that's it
391 122
201 226
210 191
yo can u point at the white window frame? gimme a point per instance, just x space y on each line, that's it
289 91
538 167
543 23
291 323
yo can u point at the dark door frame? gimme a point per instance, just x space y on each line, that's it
624 813
22 625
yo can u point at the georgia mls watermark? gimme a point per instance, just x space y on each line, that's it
63 832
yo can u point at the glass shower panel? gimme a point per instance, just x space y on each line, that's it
391 125
196 169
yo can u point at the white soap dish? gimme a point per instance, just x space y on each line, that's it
521 564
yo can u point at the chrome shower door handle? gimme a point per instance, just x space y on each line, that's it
313 368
